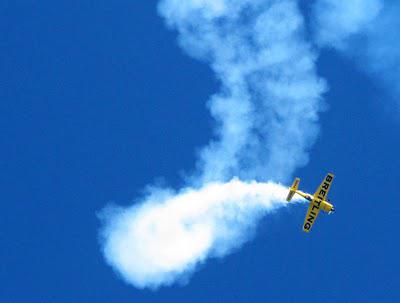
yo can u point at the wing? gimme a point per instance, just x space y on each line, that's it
315 205
323 189
312 213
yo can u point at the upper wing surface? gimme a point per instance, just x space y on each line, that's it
323 189
315 205
312 213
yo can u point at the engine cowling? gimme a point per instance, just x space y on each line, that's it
326 206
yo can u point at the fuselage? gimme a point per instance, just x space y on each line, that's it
324 205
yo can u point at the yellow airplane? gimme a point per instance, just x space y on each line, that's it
318 201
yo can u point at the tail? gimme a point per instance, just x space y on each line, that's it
292 189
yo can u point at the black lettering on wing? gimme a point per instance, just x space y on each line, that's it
310 218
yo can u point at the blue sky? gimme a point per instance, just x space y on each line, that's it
98 100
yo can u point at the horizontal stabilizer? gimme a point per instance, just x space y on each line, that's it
292 189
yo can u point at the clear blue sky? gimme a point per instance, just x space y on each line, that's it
97 100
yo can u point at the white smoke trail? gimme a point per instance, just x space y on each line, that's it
267 109
266 114
166 236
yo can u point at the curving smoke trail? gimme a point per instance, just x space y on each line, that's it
162 240
266 115
266 111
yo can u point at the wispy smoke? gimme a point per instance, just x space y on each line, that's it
336 22
366 31
164 238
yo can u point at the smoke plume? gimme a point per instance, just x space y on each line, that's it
266 115
266 118
162 239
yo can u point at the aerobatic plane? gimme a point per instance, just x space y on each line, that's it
318 201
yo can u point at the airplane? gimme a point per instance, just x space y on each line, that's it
318 201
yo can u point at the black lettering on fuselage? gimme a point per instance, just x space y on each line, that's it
322 193
325 186
328 178
307 226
